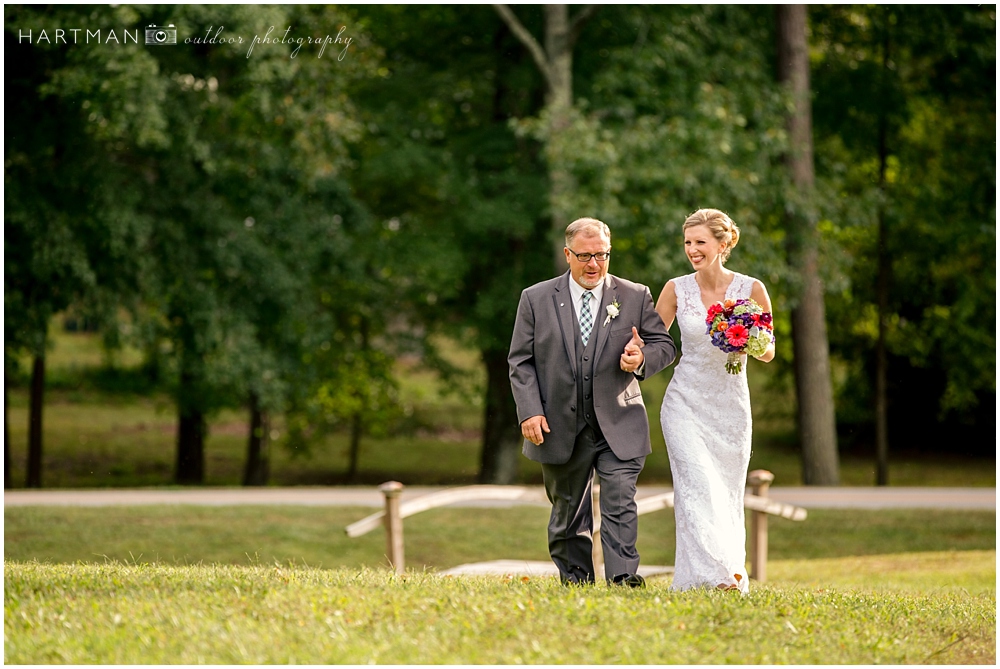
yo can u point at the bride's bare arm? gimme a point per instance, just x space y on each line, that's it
666 305
759 295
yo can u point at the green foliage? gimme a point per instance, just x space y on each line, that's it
250 213
215 178
679 110
926 75
255 155
682 112
69 233
460 197
354 387
121 614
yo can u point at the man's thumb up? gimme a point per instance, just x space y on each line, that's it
636 342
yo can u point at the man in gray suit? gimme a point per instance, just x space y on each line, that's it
582 342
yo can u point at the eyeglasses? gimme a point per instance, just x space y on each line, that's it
585 257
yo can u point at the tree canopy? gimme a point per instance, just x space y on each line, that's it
276 221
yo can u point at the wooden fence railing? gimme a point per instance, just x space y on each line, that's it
391 518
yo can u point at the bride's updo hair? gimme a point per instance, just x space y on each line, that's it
721 226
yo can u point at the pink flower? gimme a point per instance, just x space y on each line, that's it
737 335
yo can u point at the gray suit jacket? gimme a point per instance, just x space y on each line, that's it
543 366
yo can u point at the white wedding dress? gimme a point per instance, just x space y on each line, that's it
706 424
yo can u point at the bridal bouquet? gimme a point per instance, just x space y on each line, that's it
739 326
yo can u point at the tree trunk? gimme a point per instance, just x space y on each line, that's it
559 101
357 428
34 478
258 457
191 448
190 467
882 288
814 388
357 420
555 62
501 432
881 361
6 437
554 59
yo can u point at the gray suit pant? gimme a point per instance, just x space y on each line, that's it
569 488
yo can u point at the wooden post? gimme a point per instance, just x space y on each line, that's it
759 481
393 524
597 552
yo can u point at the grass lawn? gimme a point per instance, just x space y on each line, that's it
266 614
269 584
437 539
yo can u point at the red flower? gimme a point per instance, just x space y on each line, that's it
713 311
737 335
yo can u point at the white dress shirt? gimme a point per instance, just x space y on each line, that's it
576 291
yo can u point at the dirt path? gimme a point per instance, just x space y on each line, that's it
806 497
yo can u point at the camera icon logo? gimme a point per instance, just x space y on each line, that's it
161 35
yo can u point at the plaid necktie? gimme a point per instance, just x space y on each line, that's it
586 317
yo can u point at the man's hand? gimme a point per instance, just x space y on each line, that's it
533 427
633 358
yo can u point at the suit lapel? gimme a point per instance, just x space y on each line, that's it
603 331
562 300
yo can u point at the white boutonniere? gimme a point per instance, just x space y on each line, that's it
613 310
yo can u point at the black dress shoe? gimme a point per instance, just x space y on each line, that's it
630 580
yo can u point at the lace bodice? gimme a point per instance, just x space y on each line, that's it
707 427
698 355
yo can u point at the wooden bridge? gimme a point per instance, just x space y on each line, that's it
756 501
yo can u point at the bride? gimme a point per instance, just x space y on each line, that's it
706 412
